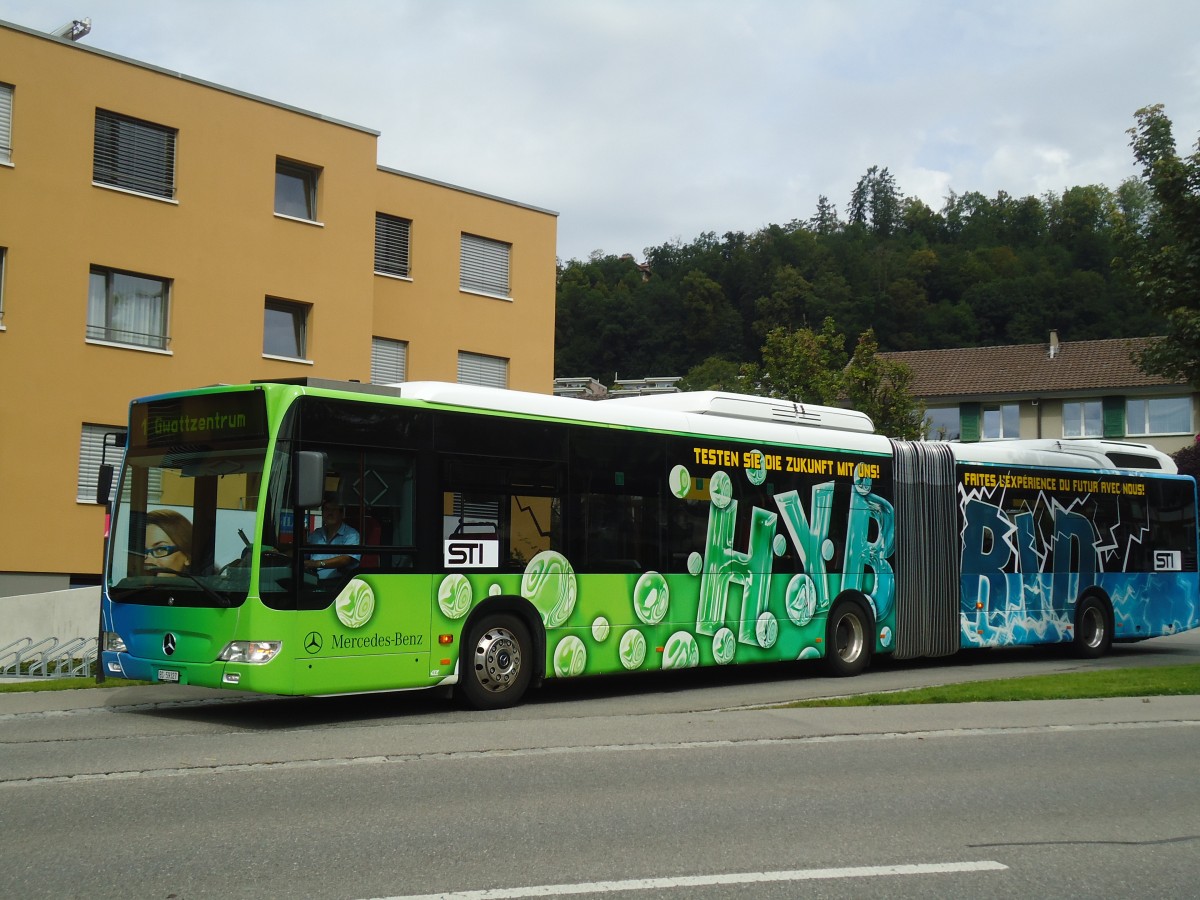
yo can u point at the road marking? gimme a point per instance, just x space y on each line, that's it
651 884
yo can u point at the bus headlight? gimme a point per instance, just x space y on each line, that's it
250 651
113 642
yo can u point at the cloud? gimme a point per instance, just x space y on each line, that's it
644 122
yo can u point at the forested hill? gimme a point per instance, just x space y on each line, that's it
981 271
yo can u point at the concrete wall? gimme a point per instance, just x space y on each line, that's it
61 614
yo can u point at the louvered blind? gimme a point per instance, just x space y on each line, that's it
391 245
489 371
389 361
483 266
6 95
91 452
134 155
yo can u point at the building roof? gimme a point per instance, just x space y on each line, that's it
1028 369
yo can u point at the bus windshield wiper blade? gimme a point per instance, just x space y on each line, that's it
222 601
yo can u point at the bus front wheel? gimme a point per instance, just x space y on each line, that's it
848 639
1093 629
496 663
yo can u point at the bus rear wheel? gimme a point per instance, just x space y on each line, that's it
1093 629
496 663
848 639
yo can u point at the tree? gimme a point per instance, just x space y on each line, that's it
714 374
1165 254
883 390
805 366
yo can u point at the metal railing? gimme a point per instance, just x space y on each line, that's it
50 657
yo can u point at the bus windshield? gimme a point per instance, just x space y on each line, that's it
185 518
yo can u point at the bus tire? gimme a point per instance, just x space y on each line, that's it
1093 627
848 638
497 662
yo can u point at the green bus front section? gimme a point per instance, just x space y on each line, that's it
735 552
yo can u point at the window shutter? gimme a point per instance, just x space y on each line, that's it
389 361
391 245
1114 417
6 96
487 371
134 155
483 266
91 452
970 418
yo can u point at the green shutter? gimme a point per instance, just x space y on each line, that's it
970 416
1114 417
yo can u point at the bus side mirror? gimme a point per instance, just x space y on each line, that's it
310 477
104 484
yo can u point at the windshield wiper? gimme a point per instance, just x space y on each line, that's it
222 600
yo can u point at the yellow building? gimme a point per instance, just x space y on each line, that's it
159 232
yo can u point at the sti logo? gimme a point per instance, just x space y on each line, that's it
460 553
1168 561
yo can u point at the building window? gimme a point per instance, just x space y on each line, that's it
285 329
1084 418
134 155
295 190
3 255
391 245
1001 423
126 308
943 424
389 361
97 443
1158 415
483 266
6 98
475 368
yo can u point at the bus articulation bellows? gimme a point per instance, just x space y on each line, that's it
314 537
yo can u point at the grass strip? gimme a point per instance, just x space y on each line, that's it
1146 682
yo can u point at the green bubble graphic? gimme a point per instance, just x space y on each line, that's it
779 545
681 652
681 482
570 657
454 596
885 636
809 653
651 598
766 630
759 475
495 590
724 646
355 604
695 563
600 628
632 649
720 488
800 601
549 584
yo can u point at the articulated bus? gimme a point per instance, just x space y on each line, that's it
312 537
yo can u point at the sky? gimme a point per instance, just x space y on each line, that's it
644 122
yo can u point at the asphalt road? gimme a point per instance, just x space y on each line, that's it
678 786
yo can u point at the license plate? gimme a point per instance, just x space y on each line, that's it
167 675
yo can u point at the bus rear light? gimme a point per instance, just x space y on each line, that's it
446 662
445 639
256 652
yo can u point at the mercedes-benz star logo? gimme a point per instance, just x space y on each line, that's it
169 643
312 642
